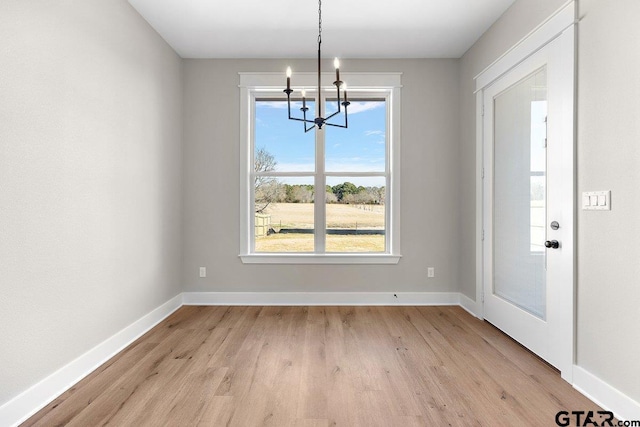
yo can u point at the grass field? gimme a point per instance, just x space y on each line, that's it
300 215
335 243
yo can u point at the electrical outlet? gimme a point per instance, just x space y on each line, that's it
203 271
431 272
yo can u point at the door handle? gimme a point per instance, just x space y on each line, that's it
554 244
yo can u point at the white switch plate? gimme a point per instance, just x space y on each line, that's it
431 272
203 271
596 200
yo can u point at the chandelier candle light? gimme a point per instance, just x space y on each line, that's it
319 121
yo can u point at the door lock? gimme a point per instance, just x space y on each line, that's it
553 244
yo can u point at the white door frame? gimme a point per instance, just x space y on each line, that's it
559 24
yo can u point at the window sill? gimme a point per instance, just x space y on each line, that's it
320 258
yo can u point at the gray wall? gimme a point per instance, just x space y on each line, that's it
90 180
608 137
609 159
430 176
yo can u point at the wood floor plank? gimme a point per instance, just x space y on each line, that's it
540 372
318 366
312 401
171 375
128 394
472 369
433 376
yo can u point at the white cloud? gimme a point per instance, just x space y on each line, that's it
361 106
376 133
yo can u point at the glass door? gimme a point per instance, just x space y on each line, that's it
528 199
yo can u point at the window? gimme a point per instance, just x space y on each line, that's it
326 196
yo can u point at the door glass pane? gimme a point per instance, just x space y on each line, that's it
520 182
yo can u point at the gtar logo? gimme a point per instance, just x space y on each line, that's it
584 418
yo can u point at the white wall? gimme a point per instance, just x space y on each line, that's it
608 139
609 159
90 180
430 177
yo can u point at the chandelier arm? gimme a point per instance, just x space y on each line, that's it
288 92
336 125
346 117
303 120
334 114
304 116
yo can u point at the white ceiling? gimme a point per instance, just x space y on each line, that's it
350 28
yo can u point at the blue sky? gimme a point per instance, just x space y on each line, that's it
360 148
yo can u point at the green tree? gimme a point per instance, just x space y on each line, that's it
343 189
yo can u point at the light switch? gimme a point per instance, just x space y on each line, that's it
596 200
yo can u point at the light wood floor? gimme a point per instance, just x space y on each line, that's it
318 366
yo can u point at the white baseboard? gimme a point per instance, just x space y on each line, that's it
469 305
27 403
604 395
321 298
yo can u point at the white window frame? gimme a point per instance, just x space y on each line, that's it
378 85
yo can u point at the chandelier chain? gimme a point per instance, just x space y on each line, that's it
319 21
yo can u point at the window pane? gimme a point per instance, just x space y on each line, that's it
284 220
289 147
362 146
356 214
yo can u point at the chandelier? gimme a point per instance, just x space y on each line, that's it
319 121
